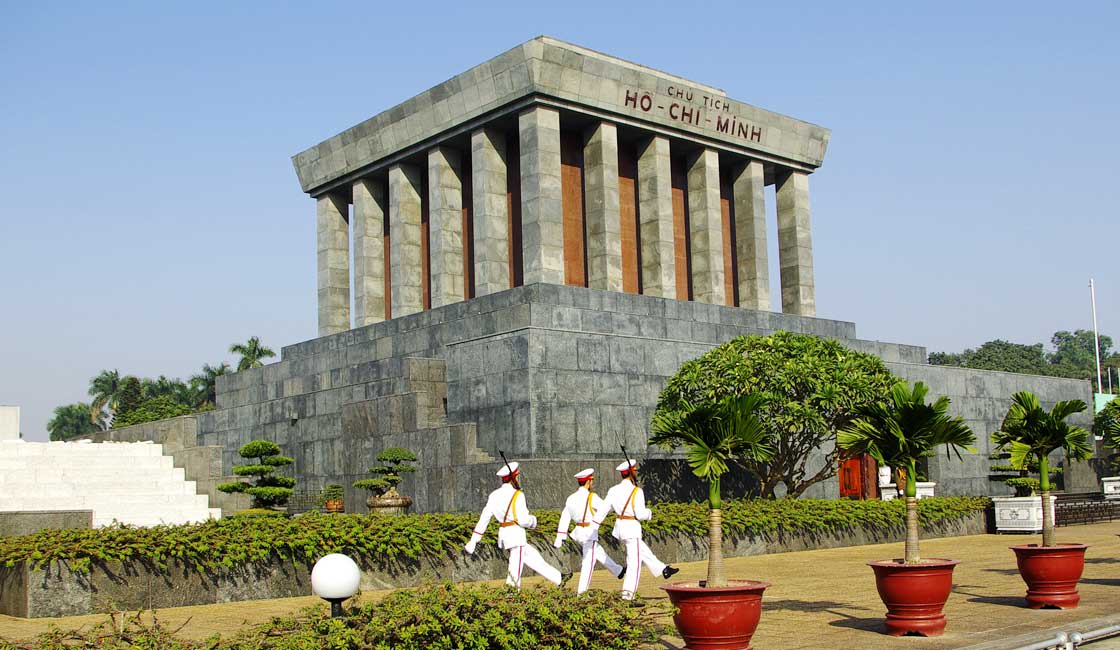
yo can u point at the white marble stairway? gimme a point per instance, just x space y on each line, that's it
129 482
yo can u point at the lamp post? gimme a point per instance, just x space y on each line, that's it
334 578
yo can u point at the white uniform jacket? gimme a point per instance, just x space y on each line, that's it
629 505
507 506
586 510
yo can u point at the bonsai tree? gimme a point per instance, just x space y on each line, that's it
713 436
811 387
396 461
1030 433
267 489
901 432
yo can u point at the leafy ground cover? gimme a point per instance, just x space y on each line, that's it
444 617
391 540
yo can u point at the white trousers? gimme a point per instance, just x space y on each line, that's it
594 552
527 556
637 554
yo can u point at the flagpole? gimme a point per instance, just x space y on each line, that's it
1096 335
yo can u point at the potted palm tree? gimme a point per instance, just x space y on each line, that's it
716 611
899 433
1031 433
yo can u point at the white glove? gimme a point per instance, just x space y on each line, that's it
559 540
531 522
645 514
469 548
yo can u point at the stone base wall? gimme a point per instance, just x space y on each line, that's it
13 524
57 591
982 398
555 377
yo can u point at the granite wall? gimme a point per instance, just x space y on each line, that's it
551 375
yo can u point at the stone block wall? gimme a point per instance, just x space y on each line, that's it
549 374
982 398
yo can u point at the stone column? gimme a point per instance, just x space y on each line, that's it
491 212
749 192
406 266
655 219
795 244
445 226
706 229
542 217
369 251
601 209
332 214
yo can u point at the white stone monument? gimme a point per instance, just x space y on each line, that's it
9 423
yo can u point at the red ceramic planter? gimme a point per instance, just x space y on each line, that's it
1051 573
914 594
717 619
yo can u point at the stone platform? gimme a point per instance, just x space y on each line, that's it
552 375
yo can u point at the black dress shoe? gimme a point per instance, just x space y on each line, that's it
622 573
669 572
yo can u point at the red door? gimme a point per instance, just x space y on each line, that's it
851 478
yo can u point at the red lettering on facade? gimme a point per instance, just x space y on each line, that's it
646 103
756 134
631 99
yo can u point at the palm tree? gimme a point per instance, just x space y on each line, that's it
72 420
104 389
1031 433
205 384
251 353
163 386
713 436
899 433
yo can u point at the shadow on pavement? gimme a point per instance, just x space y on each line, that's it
1109 582
1102 560
809 606
866 624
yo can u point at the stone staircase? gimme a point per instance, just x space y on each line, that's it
131 483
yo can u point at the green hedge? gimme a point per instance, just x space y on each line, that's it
444 617
390 540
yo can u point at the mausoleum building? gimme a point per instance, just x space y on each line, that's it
518 259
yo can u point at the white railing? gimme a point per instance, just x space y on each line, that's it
1073 640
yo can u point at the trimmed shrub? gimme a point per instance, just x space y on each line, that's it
443 617
389 541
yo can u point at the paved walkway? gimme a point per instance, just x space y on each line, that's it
819 599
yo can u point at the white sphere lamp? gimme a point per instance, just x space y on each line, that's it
335 578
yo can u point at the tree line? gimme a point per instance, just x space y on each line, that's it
118 400
1073 357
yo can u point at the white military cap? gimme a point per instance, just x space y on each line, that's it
585 474
506 470
627 464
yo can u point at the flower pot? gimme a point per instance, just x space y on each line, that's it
390 503
914 594
723 617
1051 573
333 505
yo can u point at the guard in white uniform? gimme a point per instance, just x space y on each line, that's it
507 505
587 510
629 504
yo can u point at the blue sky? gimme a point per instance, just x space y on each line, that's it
149 214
